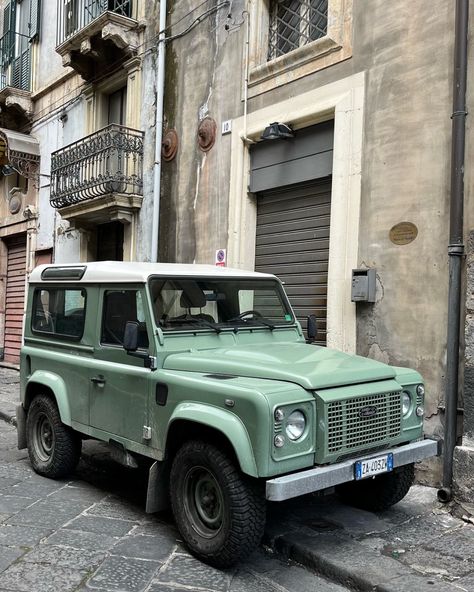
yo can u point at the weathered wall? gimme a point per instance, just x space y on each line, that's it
204 78
147 106
48 67
406 56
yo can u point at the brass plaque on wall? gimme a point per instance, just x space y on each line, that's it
403 233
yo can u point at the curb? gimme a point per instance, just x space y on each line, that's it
354 566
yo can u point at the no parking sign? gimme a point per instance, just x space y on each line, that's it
221 257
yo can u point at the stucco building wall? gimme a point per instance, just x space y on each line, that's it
405 59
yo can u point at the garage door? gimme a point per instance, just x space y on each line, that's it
15 298
293 243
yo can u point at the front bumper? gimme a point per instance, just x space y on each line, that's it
303 482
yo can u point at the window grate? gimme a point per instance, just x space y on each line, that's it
294 23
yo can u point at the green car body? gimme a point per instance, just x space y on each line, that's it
236 384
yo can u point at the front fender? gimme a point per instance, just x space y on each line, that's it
225 422
57 386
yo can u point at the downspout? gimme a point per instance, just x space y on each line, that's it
456 245
160 93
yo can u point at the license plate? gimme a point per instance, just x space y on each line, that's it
373 466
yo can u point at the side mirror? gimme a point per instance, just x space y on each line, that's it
312 329
130 336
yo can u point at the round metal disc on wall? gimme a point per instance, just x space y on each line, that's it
207 134
169 146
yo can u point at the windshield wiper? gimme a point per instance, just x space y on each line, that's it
251 316
260 321
186 320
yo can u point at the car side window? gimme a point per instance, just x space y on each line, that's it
121 306
59 312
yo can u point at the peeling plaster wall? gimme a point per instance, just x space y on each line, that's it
204 78
405 51
147 105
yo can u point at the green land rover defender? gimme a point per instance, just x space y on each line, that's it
206 371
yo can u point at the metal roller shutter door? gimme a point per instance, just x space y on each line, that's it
15 298
293 243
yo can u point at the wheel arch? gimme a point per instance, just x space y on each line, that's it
192 421
48 383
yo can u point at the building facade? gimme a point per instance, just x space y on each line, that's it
366 87
76 127
360 181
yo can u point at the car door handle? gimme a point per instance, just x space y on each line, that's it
98 380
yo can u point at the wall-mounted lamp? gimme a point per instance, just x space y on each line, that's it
7 170
277 131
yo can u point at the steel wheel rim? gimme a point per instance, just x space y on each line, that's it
203 502
44 438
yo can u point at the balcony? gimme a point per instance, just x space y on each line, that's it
92 34
100 177
15 80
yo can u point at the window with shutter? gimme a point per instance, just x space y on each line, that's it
20 26
7 43
34 23
21 71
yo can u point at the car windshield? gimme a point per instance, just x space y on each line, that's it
218 304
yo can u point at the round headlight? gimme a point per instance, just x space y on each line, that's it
406 403
295 425
420 390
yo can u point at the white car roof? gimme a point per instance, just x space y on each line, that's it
133 272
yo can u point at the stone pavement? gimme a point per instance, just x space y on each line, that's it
91 534
416 546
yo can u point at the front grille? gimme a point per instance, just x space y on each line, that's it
348 430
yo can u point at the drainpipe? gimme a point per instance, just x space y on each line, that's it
456 246
160 92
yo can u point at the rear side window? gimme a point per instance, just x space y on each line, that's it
59 312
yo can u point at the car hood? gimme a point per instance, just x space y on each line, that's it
310 366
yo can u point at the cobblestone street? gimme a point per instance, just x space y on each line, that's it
91 533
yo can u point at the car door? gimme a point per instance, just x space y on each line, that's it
120 383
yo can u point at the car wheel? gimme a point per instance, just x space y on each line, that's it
219 513
54 449
378 493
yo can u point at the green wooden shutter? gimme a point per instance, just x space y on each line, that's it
6 19
34 23
21 68
11 32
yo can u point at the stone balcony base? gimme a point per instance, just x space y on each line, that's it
108 38
108 208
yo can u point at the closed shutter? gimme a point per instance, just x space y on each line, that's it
8 39
21 70
34 18
15 298
293 243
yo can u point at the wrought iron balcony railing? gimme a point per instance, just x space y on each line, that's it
15 61
74 15
107 161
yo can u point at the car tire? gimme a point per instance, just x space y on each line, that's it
219 512
378 493
54 449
